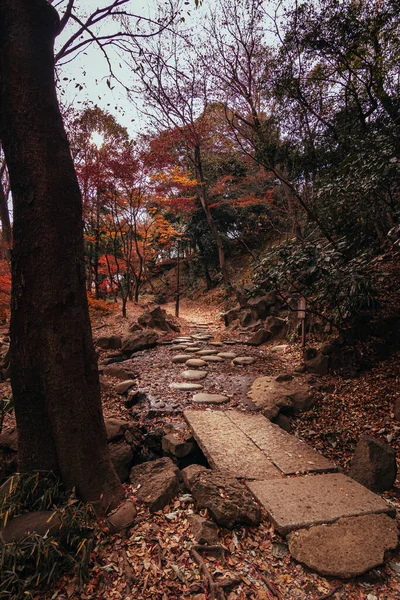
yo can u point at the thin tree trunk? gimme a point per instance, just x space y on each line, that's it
5 224
209 282
54 373
210 220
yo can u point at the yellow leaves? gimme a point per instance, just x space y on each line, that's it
174 176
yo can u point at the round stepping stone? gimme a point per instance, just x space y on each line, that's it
212 358
202 336
205 352
227 354
203 398
192 349
182 340
195 362
219 344
186 387
230 342
178 347
244 360
180 358
191 375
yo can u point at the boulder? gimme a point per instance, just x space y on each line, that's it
258 307
39 522
122 518
228 501
271 395
284 423
110 342
245 318
158 480
140 340
124 386
190 473
374 464
318 365
347 548
231 315
115 429
174 445
276 325
121 455
119 372
259 337
203 531
157 318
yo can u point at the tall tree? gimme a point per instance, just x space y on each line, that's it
53 364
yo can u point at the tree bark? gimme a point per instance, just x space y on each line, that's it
5 224
54 373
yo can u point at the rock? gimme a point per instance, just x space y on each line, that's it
119 372
245 318
258 307
280 349
133 397
195 362
194 375
228 501
39 522
111 342
172 444
190 473
140 340
206 352
284 423
347 548
231 315
210 399
374 464
157 318
284 377
186 387
192 349
121 455
180 358
272 396
217 344
115 428
318 365
159 481
204 531
213 358
122 518
124 386
244 360
227 355
276 325
259 337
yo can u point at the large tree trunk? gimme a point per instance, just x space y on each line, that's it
53 363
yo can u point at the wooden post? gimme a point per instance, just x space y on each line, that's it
177 293
301 313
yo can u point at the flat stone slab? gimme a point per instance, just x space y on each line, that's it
180 358
347 548
203 398
227 448
186 387
191 375
227 354
212 358
301 502
195 362
288 453
244 360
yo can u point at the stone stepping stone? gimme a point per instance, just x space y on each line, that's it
227 354
206 352
230 342
347 548
124 386
288 453
192 349
203 398
178 347
202 337
180 358
244 360
186 387
227 448
183 340
300 502
195 362
218 344
212 358
191 375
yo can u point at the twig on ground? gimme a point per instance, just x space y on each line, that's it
272 588
213 588
331 593
129 576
